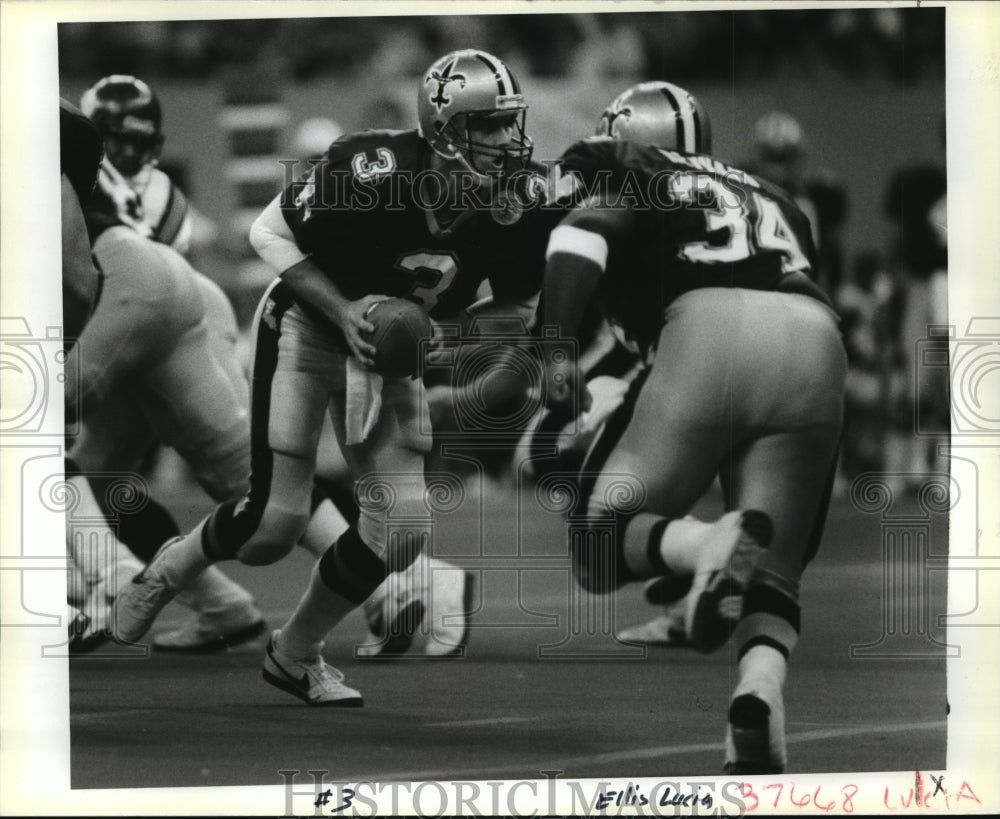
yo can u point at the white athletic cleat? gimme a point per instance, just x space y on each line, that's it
92 628
727 558
310 679
422 611
665 629
755 736
138 602
205 634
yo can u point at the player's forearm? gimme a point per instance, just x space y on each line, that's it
576 260
275 244
313 287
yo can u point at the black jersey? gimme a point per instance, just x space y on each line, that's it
678 221
366 215
80 149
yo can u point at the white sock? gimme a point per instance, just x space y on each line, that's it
763 665
184 559
319 610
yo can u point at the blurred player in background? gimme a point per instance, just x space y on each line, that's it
131 189
159 366
745 383
916 205
869 305
432 228
780 150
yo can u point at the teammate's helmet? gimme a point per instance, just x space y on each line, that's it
126 110
460 88
778 137
661 114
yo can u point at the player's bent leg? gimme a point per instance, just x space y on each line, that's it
789 474
145 305
766 636
342 579
391 491
255 530
645 481
194 407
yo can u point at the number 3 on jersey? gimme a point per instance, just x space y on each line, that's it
432 274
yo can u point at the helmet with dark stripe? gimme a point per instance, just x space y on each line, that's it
658 113
461 89
128 115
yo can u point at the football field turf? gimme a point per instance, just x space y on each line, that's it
532 693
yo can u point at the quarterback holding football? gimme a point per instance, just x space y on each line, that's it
416 215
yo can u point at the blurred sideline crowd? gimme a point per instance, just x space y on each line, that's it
810 43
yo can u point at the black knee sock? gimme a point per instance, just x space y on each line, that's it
351 569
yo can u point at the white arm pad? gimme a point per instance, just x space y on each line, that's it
586 243
273 240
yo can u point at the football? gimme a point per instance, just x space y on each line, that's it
400 326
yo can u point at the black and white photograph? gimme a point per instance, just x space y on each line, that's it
500 409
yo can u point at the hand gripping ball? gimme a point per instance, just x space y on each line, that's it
400 327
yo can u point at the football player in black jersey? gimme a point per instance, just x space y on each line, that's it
422 215
704 268
80 153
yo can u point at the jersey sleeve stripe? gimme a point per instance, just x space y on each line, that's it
579 242
173 216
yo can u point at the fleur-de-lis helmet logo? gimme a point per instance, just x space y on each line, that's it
606 127
443 78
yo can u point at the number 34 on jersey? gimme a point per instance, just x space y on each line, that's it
747 224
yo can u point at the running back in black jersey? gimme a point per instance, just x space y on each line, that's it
692 219
366 215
